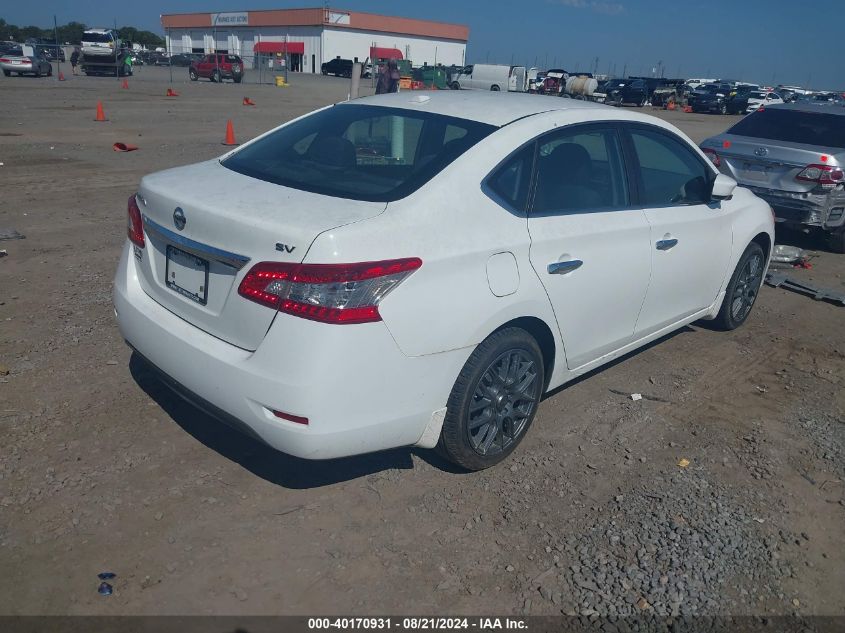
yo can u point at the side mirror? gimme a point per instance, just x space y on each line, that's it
723 187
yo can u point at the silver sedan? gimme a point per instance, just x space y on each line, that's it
16 62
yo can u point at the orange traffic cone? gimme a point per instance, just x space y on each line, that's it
248 101
101 116
171 93
125 84
687 109
61 76
123 147
230 134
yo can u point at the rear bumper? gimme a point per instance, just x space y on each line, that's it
359 392
18 68
825 210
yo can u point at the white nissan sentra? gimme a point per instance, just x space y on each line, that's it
419 269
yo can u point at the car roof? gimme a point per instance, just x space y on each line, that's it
808 106
493 108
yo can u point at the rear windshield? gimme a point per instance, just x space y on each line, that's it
99 38
794 126
359 152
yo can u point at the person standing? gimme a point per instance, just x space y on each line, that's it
74 59
388 78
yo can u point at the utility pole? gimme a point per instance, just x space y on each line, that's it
58 57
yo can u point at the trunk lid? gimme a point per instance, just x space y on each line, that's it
767 163
229 222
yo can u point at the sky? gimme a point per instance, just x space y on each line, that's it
766 42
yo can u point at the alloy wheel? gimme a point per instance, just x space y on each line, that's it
503 401
747 287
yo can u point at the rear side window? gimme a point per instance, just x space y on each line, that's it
512 180
233 59
670 172
359 152
794 126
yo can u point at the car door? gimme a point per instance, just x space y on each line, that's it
589 247
691 236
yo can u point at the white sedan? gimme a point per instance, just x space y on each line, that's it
757 99
419 269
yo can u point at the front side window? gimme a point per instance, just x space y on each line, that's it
670 172
359 152
580 171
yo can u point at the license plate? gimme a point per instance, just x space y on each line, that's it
16 62
754 172
187 274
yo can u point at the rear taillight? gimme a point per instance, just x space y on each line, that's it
134 224
3 60
827 176
330 293
713 156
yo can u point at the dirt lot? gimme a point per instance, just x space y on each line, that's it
101 468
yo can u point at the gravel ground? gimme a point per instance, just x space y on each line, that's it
101 468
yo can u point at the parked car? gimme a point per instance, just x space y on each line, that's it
710 98
551 82
758 99
792 156
14 61
494 77
337 67
52 52
323 287
183 59
217 67
622 91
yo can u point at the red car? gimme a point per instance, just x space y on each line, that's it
218 67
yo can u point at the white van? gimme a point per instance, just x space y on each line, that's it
490 77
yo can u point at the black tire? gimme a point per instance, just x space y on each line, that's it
455 85
643 102
836 240
192 75
8 73
237 80
494 88
215 76
50 71
512 392
723 109
742 289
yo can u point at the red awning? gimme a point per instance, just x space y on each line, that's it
280 47
384 53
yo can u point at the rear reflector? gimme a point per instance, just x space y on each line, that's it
329 293
290 418
134 224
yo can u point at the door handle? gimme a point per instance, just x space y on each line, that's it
561 268
666 244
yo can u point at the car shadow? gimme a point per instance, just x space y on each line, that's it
810 241
687 329
263 461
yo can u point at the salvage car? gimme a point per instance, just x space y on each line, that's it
792 156
758 99
622 91
323 288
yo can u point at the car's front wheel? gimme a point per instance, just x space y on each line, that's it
192 74
215 76
743 288
494 400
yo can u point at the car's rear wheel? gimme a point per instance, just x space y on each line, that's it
8 73
742 289
192 75
494 88
455 85
215 76
494 400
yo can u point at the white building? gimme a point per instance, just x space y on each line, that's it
311 37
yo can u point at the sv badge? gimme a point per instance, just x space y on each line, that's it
284 248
